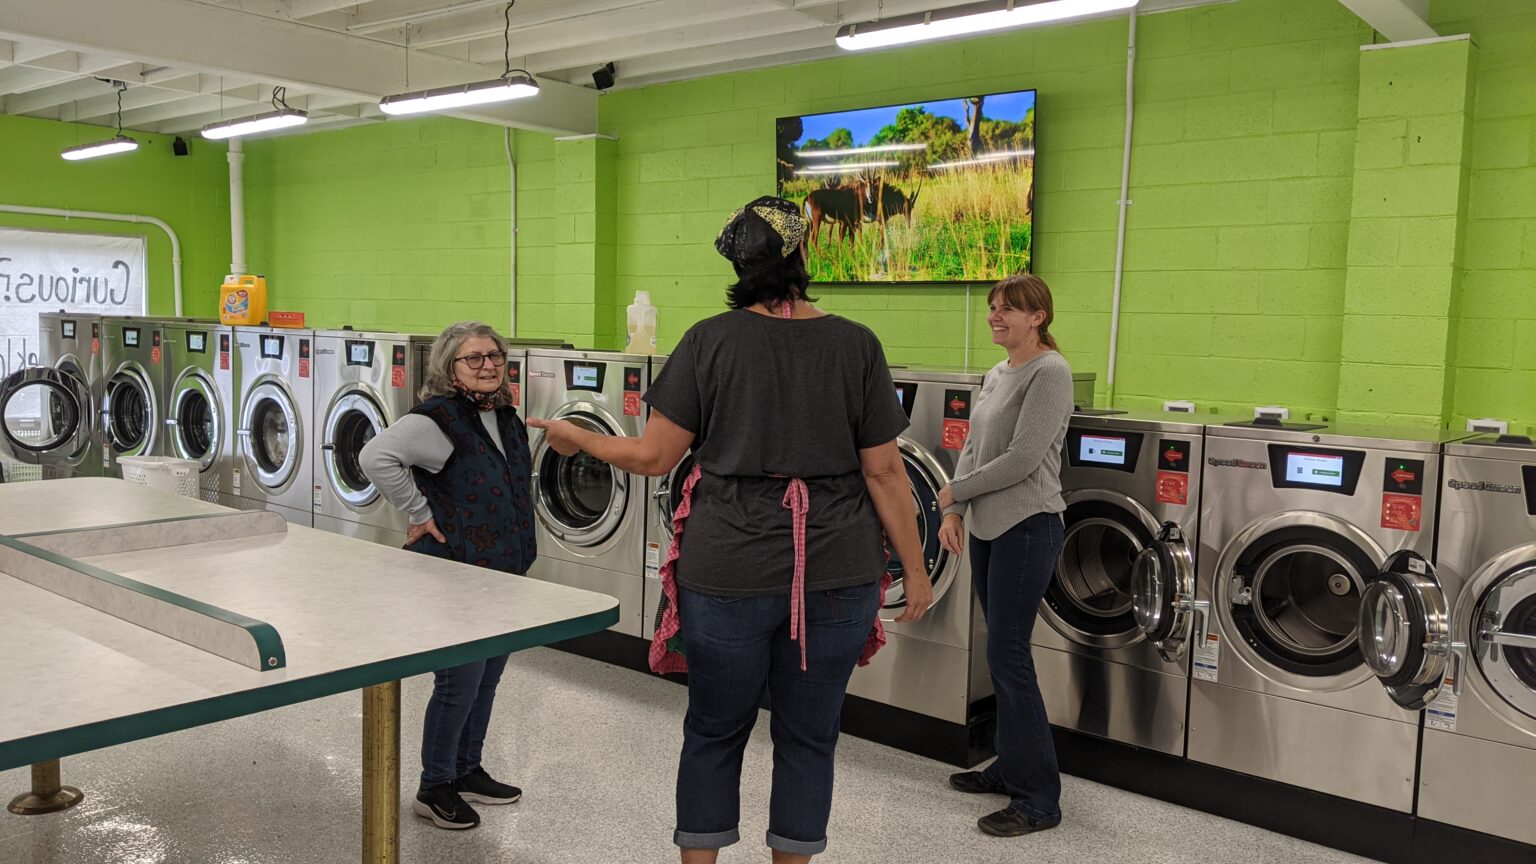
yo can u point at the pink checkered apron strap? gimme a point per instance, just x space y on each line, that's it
666 653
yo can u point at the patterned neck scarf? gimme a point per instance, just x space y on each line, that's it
481 401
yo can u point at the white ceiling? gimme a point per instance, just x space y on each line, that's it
191 62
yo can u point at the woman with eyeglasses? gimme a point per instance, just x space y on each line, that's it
459 467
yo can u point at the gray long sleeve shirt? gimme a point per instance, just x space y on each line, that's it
413 441
1010 467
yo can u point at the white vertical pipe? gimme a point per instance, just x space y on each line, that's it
236 207
1125 203
512 231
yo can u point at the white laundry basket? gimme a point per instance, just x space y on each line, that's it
166 473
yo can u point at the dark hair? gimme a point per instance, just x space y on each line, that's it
1029 292
780 282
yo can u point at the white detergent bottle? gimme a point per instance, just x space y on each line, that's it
641 337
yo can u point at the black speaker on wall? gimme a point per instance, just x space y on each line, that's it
603 77
179 146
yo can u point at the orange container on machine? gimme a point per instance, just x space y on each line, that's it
243 299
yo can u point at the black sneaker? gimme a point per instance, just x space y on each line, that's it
445 808
1009 822
477 786
974 783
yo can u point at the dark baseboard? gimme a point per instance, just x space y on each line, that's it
615 649
954 743
1438 843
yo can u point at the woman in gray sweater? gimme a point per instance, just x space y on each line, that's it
1009 477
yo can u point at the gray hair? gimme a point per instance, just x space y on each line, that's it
439 377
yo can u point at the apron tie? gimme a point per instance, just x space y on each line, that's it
797 500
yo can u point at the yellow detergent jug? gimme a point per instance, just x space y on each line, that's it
243 299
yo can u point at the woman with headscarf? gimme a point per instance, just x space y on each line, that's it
776 573
458 466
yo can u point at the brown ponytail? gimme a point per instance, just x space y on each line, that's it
1029 292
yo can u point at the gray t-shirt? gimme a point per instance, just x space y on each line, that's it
794 398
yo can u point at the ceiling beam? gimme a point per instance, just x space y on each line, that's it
748 53
1398 20
73 90
526 16
311 8
227 41
135 98
386 18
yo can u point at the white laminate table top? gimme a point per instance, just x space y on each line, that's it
350 614
89 502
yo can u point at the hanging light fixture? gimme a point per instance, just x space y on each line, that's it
969 19
118 143
280 117
513 84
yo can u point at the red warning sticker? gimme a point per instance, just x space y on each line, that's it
517 395
631 404
955 433
223 359
397 376
154 355
303 367
95 346
1401 512
1172 487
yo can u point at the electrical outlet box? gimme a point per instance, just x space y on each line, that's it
1179 406
1271 412
1488 424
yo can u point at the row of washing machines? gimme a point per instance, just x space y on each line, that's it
1351 611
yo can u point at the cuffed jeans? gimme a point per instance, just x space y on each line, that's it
1010 575
739 647
458 714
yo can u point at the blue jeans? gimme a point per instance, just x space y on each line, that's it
1010 575
739 647
457 716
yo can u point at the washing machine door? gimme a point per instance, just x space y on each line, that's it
1163 594
46 417
1291 585
1090 599
270 435
582 500
669 492
196 421
355 417
129 411
925 477
1405 629
1504 633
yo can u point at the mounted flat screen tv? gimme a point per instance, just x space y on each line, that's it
938 191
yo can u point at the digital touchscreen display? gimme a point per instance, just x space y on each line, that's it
197 343
1103 449
359 353
68 328
584 377
272 347
1314 469
130 337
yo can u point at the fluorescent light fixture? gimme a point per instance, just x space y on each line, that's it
844 169
119 144
518 86
282 118
987 158
883 148
968 19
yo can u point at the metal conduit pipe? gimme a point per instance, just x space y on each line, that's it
1125 203
114 217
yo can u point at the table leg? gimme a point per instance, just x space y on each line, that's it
381 773
48 795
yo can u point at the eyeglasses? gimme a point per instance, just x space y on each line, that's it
477 361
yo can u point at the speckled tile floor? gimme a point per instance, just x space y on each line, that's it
594 748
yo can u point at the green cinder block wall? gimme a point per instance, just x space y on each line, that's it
190 193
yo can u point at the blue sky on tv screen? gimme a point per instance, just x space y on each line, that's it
864 123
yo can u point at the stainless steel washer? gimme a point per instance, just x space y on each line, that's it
591 516
200 407
133 389
1296 522
1125 476
273 467
51 423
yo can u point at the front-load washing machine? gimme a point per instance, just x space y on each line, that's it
275 405
200 366
1478 766
1296 521
51 421
591 516
1130 481
133 390
364 382
936 666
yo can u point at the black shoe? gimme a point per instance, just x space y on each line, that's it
445 808
477 786
1009 822
974 783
